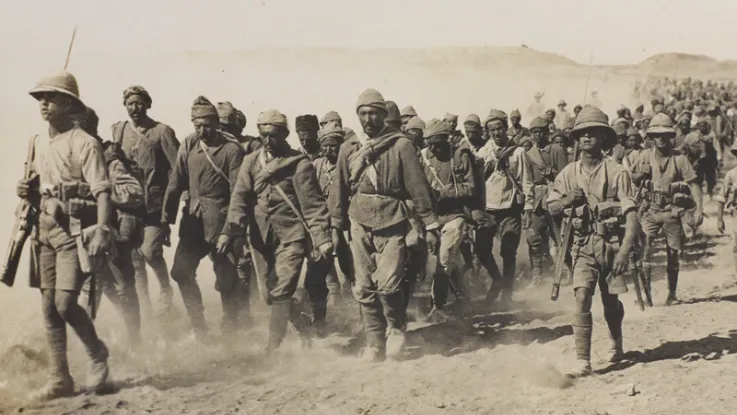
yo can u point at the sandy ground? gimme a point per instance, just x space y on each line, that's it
683 359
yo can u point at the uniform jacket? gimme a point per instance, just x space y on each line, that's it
209 191
453 182
256 201
501 193
545 164
154 150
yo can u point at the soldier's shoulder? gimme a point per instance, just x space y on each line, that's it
615 167
163 129
231 144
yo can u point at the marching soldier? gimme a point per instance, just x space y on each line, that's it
116 278
546 161
331 137
508 193
394 117
516 130
71 183
727 199
599 194
307 127
233 122
673 189
457 139
206 167
277 198
153 146
451 175
378 172
414 130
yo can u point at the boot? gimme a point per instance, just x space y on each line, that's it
99 369
614 319
319 313
672 299
374 328
278 321
395 341
60 382
372 354
582 329
672 270
303 324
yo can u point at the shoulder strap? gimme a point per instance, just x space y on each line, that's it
219 171
289 203
119 132
430 167
75 167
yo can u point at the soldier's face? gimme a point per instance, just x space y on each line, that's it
308 139
550 115
405 120
497 132
136 106
592 140
330 151
372 120
633 141
561 141
662 141
474 134
527 145
453 124
416 135
273 137
54 106
515 120
205 127
539 135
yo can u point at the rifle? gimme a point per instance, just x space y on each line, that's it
564 246
26 217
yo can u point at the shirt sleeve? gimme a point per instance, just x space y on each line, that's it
416 184
311 202
625 191
561 186
687 171
727 185
237 220
525 178
92 163
170 146
178 182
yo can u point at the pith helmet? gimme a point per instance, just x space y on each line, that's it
62 82
661 124
591 117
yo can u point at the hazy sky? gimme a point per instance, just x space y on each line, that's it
624 31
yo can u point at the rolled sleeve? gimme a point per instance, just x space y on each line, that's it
626 192
92 164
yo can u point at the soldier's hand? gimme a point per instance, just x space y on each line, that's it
166 230
620 262
576 196
336 240
22 189
527 219
326 250
720 225
185 196
100 242
222 244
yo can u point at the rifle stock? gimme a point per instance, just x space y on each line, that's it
26 217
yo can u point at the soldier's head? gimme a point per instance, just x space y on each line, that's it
273 131
414 129
307 127
560 138
540 131
452 120
634 139
331 117
437 136
228 118
550 114
592 130
671 112
620 129
371 111
137 102
577 109
473 129
331 137
88 121
640 109
393 119
515 118
241 122
704 126
58 98
205 119
662 131
407 114
496 126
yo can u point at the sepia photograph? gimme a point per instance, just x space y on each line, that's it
368 207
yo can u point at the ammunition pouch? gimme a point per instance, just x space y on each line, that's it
604 220
70 200
130 228
660 199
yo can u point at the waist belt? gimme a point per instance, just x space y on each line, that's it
660 199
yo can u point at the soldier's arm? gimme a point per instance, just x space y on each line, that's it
95 173
170 145
416 185
340 191
723 194
311 202
178 182
559 158
525 179
557 200
688 175
234 165
237 221
626 196
466 186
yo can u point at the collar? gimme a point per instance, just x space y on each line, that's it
213 147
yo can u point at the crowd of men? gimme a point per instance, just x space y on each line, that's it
398 202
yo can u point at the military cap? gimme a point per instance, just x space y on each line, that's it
472 119
306 122
661 124
226 112
331 116
515 113
203 108
592 117
137 90
62 82
371 98
240 119
331 133
272 117
408 111
392 111
539 123
415 123
448 117
495 115
632 131
437 130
